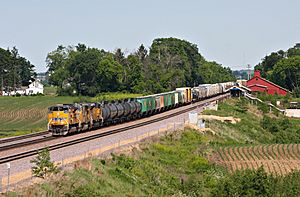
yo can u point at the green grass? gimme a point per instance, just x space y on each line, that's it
22 115
50 90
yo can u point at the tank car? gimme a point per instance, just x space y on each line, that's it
119 111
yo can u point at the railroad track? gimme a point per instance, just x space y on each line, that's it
22 137
26 143
95 136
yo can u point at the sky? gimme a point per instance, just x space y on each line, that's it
233 33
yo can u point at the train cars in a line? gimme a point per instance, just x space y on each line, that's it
69 118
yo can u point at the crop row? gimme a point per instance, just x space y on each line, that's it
31 114
275 158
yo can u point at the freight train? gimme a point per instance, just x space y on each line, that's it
70 118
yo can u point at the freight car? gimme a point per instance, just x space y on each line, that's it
204 91
156 103
69 118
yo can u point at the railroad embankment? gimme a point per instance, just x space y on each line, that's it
254 157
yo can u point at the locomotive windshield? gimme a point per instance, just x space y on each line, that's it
58 108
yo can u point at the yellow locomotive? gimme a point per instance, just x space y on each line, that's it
68 118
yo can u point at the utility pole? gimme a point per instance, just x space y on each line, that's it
249 71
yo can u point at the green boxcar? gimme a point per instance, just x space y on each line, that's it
148 104
158 102
169 99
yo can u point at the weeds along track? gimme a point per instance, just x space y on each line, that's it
160 117
278 159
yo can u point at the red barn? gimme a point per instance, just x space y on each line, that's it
259 84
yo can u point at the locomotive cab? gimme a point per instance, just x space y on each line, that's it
58 119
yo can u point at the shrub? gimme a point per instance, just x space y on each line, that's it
241 106
284 123
199 164
43 165
263 107
246 183
270 124
296 92
124 162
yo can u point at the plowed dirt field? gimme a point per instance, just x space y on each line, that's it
277 159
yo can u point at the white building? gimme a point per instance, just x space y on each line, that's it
35 88
20 91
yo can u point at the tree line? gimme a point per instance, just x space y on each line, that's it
283 68
15 70
167 64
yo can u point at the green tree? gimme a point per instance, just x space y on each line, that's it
18 70
83 69
212 72
287 73
246 183
171 54
56 64
170 63
142 53
43 165
26 71
268 63
5 59
134 72
109 74
295 51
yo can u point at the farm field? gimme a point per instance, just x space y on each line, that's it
22 115
277 159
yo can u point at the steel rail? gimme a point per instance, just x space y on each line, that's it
99 135
26 143
22 137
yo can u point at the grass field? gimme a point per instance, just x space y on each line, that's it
50 90
21 115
